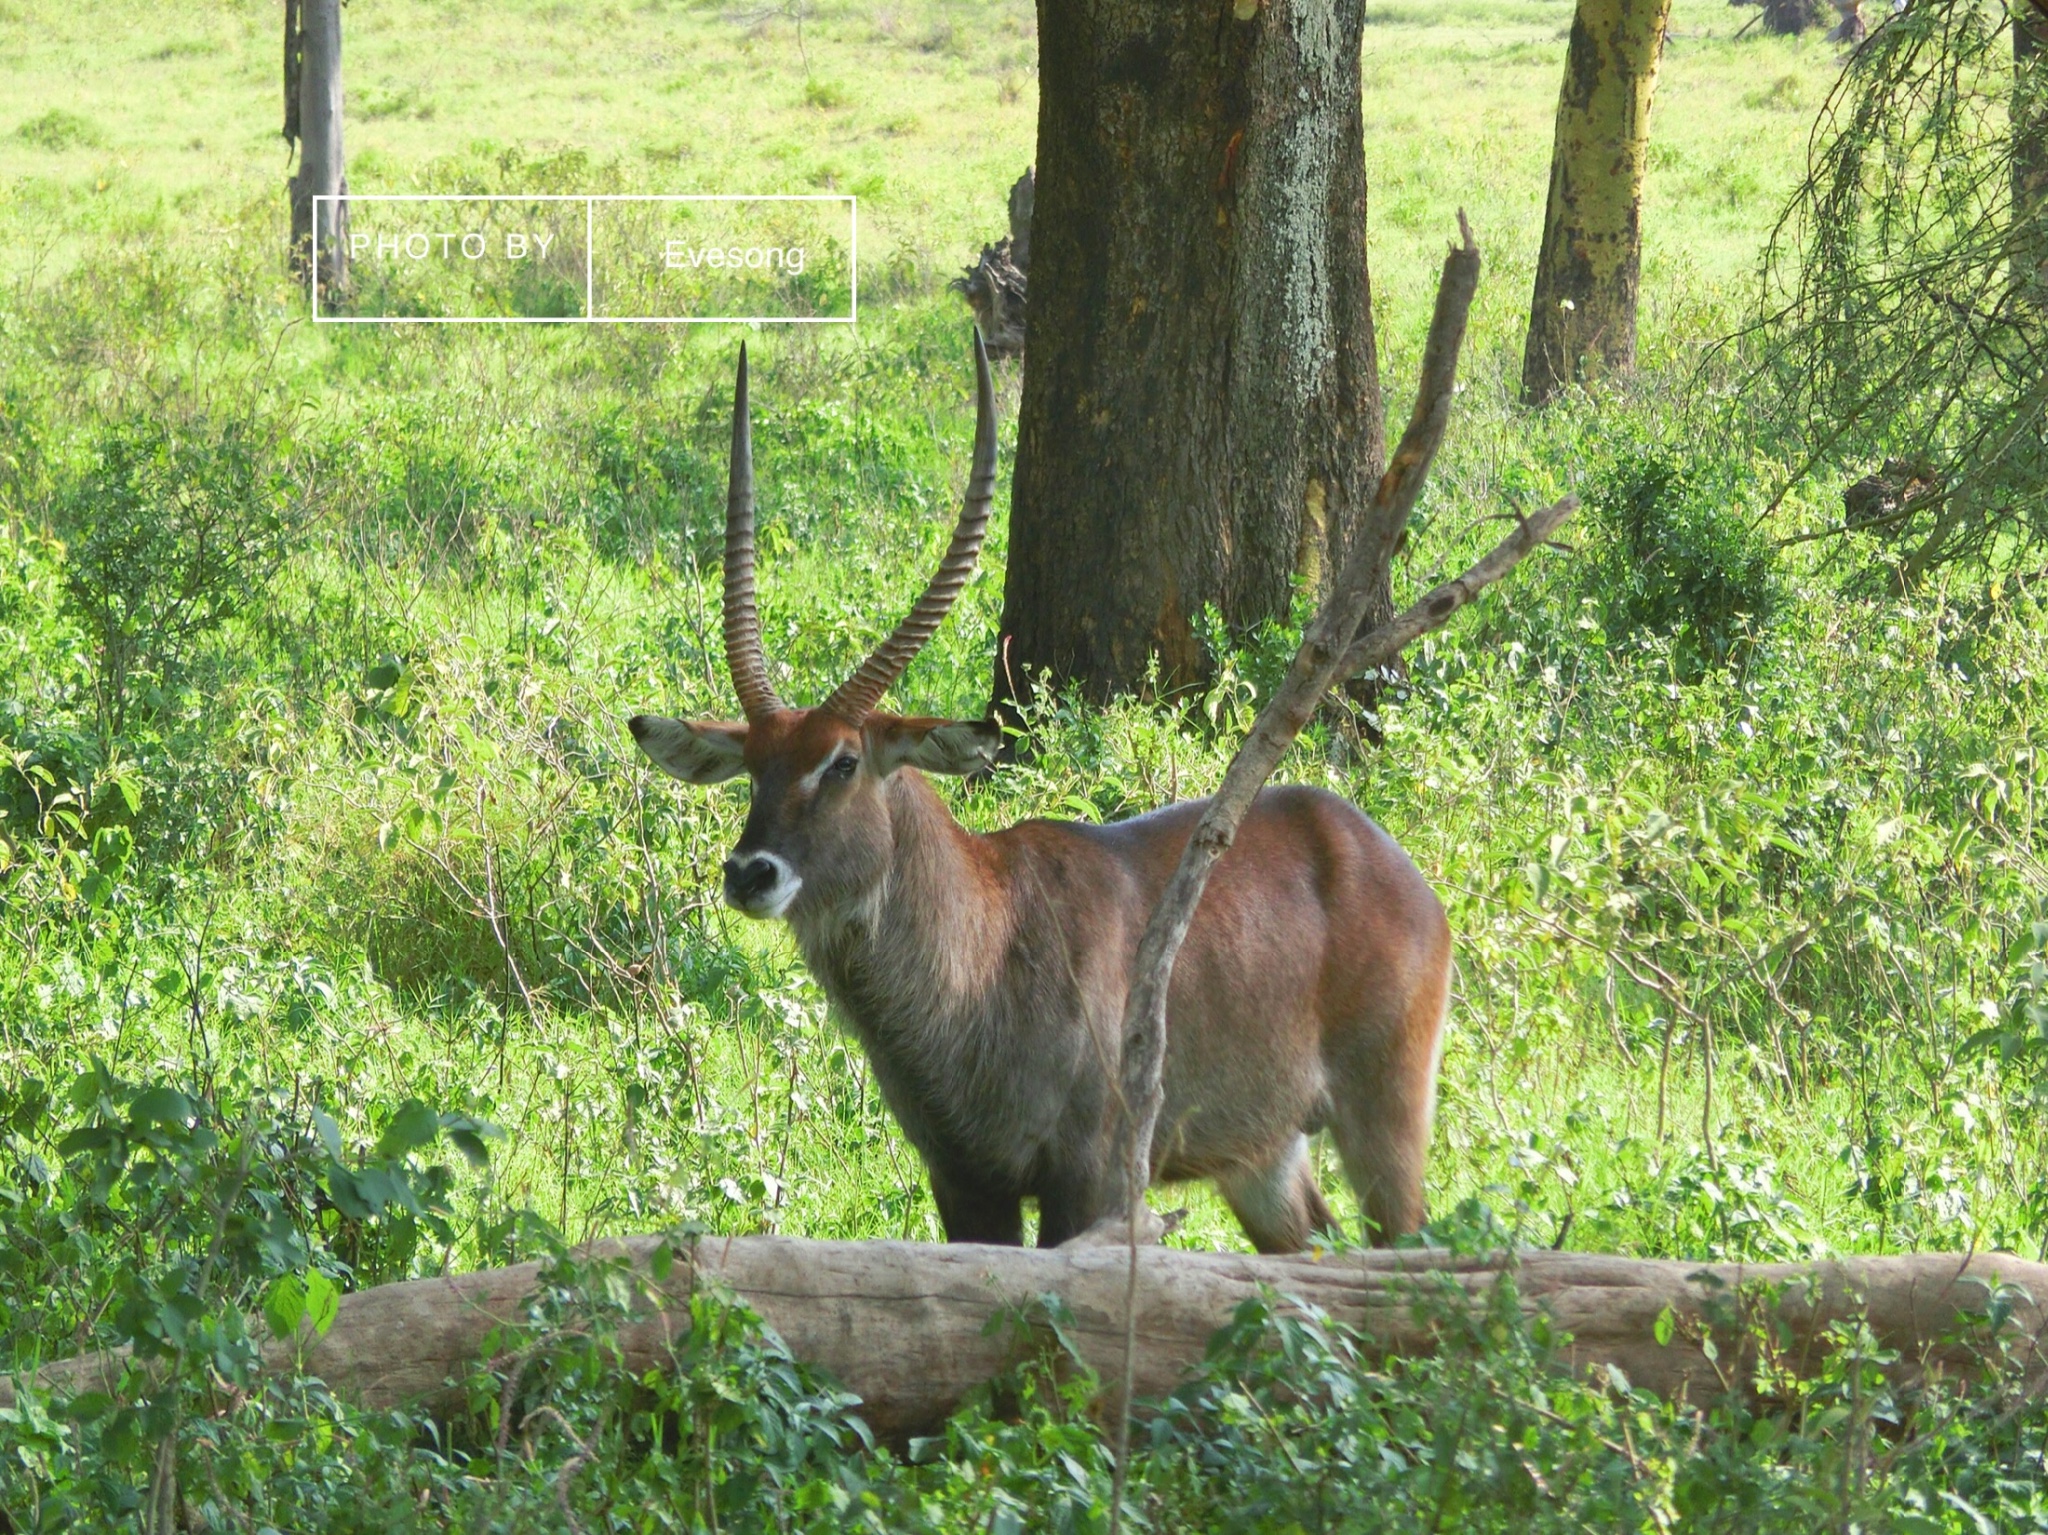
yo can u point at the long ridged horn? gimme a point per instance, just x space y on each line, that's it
856 697
743 656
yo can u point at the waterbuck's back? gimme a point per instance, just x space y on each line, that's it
1319 952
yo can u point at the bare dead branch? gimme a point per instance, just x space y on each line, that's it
1316 666
1330 650
1434 610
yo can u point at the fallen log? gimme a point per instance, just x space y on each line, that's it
901 1324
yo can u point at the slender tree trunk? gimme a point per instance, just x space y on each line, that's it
2030 147
1201 416
1582 319
2026 246
313 117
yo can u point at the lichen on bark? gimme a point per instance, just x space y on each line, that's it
1582 316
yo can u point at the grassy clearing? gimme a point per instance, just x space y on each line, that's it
374 835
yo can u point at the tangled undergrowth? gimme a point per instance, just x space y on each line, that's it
191 1223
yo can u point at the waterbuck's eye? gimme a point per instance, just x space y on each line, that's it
842 768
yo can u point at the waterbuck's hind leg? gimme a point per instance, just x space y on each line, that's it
1279 1204
1383 1092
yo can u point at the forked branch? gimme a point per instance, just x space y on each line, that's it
1331 650
1272 734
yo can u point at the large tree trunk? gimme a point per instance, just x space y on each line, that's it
1201 413
312 53
1582 318
904 1325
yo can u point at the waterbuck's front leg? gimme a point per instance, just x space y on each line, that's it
1067 1206
973 1212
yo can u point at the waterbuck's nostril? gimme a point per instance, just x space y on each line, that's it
748 878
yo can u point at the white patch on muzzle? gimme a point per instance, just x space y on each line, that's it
774 901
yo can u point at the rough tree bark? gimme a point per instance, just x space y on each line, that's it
312 119
905 1325
997 287
1582 317
1201 410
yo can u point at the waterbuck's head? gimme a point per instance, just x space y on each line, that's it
818 830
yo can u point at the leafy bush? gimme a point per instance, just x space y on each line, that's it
174 1220
59 129
1679 558
1920 188
175 529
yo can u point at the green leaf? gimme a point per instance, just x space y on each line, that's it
413 1126
348 1196
328 1131
377 1189
323 1301
88 1406
161 1106
85 1087
111 847
1663 1327
284 1305
85 1138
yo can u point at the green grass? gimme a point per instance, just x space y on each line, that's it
388 839
926 112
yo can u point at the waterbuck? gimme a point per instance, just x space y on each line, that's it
985 976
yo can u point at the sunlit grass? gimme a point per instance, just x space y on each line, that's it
527 523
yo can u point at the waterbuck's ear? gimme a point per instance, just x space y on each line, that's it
934 746
694 751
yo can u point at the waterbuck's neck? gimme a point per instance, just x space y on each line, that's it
924 943
921 970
